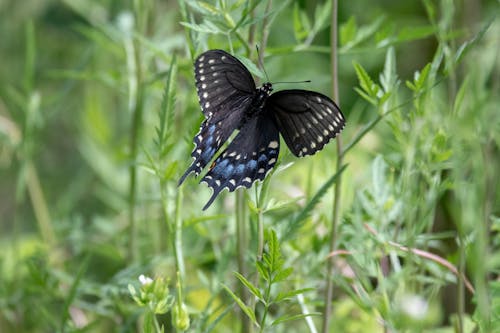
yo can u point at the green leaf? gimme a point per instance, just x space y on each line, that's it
366 83
459 98
364 33
251 66
262 268
204 27
412 33
287 295
365 96
282 274
148 323
348 31
275 261
165 115
247 310
253 289
419 79
466 46
208 8
322 15
379 179
389 78
295 317
300 32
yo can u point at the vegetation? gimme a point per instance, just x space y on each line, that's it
393 227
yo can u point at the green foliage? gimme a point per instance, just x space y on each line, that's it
97 114
272 272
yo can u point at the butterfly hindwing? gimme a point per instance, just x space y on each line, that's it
249 157
224 84
307 120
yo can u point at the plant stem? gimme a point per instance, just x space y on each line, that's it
135 103
265 32
338 186
177 243
241 243
39 205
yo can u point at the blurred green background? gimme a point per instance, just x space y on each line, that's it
98 109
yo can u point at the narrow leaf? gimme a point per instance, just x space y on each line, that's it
253 289
287 295
247 310
295 317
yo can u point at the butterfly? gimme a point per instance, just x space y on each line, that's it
230 101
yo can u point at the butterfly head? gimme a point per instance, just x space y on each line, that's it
267 88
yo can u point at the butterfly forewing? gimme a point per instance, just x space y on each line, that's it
249 157
307 120
224 85
225 90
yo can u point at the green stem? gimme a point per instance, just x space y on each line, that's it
39 205
136 105
187 31
265 31
177 244
241 243
266 306
338 186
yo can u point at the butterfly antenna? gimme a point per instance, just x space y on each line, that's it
261 64
305 81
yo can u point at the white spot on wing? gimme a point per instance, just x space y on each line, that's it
271 161
247 180
232 182
273 144
205 95
207 105
261 170
202 78
204 86
211 61
313 145
201 58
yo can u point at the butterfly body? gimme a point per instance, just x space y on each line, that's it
230 101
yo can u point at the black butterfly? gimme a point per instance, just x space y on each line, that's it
307 120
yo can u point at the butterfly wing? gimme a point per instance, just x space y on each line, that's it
307 120
225 90
249 157
223 84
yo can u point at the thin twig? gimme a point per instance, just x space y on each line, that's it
338 186
430 256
